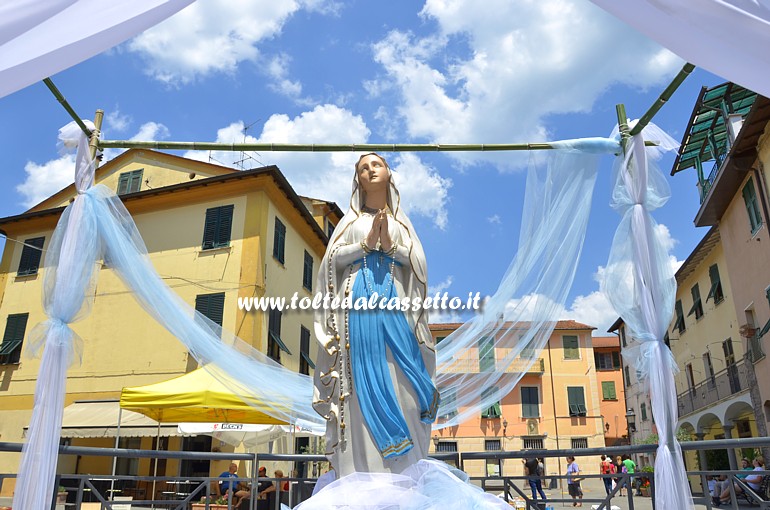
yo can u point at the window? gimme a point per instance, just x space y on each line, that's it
577 401
627 375
608 390
439 338
307 274
623 335
279 241
533 443
690 377
697 306
486 354
752 206
329 229
30 256
579 442
571 347
607 360
492 445
716 286
305 363
679 323
274 343
530 402
644 411
446 447
130 182
448 402
211 306
492 411
217 228
667 340
10 349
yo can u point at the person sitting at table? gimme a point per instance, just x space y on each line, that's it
753 481
284 486
224 486
244 490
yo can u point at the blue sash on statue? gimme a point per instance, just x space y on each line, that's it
371 331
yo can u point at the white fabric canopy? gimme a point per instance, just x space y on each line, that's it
726 37
248 434
40 38
100 419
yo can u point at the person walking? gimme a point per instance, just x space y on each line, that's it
573 481
606 467
534 477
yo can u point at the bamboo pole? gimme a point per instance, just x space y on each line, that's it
59 97
287 147
93 143
620 110
663 98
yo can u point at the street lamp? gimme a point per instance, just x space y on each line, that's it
436 440
631 420
505 427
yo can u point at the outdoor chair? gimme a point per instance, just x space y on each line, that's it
762 492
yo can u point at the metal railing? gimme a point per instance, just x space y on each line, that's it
181 493
725 383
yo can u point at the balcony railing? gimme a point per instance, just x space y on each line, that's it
726 383
719 158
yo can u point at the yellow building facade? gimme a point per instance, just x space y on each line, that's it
215 235
557 404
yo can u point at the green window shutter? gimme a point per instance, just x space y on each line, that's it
697 307
608 390
486 354
130 182
576 399
679 323
30 256
305 363
752 207
530 402
211 306
123 181
493 411
217 227
307 273
627 373
716 285
13 337
449 402
615 359
644 411
571 347
279 241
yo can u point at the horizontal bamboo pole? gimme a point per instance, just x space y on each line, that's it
288 147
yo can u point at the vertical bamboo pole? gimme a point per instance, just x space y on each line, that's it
93 144
620 109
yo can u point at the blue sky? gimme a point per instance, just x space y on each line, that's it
317 71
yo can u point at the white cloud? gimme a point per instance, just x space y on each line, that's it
44 180
277 69
151 131
664 236
441 287
329 175
116 121
511 64
494 219
212 36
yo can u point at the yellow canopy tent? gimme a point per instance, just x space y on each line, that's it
194 397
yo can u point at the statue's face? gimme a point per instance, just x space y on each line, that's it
372 173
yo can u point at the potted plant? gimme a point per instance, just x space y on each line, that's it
61 495
215 503
644 486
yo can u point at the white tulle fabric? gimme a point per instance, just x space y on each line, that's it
40 38
726 37
521 314
70 262
426 485
639 282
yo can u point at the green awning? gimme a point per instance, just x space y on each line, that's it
492 411
9 346
765 329
277 339
307 359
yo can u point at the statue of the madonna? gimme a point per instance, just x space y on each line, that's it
374 377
